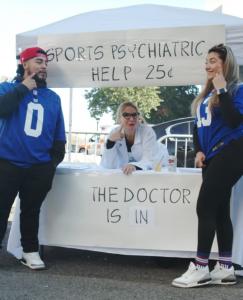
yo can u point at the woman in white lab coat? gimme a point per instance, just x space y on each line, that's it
132 145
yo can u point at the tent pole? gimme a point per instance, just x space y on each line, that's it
70 124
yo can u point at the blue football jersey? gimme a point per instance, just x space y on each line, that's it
213 133
27 135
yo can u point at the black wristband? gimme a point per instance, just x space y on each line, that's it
221 91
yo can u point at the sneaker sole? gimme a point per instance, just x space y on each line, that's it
223 282
195 284
37 268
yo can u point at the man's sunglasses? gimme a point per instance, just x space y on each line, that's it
128 115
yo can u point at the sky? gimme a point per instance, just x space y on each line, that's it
20 16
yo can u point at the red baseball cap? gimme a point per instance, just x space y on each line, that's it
31 53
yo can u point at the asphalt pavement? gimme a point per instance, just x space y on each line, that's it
75 274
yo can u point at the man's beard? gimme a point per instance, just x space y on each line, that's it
40 82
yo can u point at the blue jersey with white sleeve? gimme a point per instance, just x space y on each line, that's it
27 134
213 132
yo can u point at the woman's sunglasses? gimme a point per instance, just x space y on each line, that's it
130 115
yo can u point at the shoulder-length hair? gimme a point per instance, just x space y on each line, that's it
230 72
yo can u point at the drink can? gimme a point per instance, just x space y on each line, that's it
172 163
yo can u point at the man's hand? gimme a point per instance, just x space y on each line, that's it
118 134
29 82
199 160
128 169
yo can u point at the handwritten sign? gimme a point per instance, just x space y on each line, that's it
149 57
146 210
147 213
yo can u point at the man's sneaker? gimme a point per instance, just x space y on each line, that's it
223 275
193 277
33 261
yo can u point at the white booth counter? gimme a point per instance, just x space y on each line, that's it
146 213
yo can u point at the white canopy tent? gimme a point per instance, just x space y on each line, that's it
140 17
133 24
141 20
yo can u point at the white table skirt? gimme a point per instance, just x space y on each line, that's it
73 196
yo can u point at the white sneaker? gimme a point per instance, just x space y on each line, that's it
222 275
193 277
33 261
239 272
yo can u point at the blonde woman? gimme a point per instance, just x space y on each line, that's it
218 140
132 145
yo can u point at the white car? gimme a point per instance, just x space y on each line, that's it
95 145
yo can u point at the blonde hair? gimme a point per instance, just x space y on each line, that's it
121 109
230 72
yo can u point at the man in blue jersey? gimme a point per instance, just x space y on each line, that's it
32 144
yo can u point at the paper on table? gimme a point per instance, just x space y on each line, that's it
189 170
68 167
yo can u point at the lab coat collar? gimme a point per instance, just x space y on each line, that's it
138 136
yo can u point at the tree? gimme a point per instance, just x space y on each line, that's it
156 104
175 103
104 100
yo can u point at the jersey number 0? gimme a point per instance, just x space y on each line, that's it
35 132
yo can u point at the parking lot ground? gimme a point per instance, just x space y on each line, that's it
77 274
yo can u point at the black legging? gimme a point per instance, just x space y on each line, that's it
213 206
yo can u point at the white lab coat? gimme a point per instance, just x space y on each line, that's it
146 151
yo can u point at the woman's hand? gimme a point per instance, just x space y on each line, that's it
219 81
117 134
128 169
199 160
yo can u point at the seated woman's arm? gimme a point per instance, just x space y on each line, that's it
152 151
110 158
